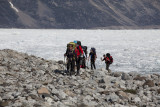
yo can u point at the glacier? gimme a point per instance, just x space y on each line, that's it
132 50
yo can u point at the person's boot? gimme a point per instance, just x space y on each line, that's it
77 73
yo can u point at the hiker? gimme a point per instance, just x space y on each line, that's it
108 60
83 60
71 58
79 53
92 56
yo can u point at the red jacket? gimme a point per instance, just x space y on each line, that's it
78 51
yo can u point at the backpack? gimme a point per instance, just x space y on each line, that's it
79 43
84 49
94 50
71 43
111 60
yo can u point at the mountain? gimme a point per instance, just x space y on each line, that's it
79 14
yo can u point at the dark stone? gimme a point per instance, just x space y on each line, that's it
101 81
60 62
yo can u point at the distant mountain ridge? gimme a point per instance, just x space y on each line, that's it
80 14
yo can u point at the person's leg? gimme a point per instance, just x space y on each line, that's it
78 65
91 64
68 65
107 67
94 65
72 66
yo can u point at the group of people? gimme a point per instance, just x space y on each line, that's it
77 56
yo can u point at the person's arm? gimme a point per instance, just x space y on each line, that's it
102 59
66 53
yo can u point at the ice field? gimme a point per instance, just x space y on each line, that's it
132 50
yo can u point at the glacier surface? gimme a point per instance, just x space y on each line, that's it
132 50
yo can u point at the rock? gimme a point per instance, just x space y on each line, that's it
136 100
101 81
0 99
112 98
117 74
69 93
125 76
62 95
49 100
88 101
158 91
150 83
60 62
43 90
139 78
122 95
3 68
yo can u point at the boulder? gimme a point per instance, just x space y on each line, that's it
150 83
125 76
140 78
43 90
122 95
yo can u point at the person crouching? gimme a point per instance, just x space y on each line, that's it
108 60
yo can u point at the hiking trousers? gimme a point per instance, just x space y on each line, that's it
78 64
107 66
93 64
70 65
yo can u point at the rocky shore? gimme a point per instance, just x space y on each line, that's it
30 81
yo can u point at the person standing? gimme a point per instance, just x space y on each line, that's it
79 53
71 58
92 56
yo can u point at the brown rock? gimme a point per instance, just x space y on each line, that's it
158 91
139 78
122 94
69 93
43 90
150 83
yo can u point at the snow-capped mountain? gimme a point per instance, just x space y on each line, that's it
79 13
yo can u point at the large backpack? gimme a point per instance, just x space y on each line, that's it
71 43
79 43
111 60
84 49
94 50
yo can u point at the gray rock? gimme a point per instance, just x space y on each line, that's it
125 76
136 100
112 98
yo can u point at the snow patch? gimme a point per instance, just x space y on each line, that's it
13 7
